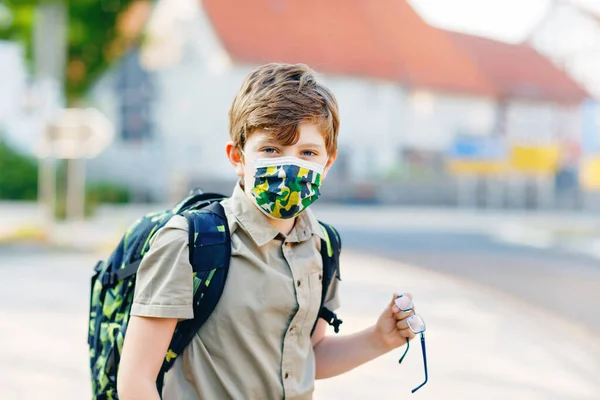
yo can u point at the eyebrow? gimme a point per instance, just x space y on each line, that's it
320 146
266 142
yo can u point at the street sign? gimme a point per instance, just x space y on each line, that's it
76 133
589 175
481 149
540 160
477 156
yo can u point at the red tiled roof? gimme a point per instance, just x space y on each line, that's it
518 71
383 39
375 38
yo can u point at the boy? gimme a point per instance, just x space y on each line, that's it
257 344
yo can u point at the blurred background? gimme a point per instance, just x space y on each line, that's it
468 172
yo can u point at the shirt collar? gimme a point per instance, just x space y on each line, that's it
306 226
251 219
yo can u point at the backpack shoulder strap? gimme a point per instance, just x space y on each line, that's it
331 248
210 254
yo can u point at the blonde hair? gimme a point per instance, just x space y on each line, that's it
277 98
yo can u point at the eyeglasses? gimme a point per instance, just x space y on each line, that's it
417 326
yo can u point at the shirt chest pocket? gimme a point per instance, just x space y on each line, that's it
310 300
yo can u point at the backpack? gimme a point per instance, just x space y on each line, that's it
113 282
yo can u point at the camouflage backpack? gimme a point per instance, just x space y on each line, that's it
113 282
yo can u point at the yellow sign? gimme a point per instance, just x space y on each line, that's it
589 175
537 160
477 167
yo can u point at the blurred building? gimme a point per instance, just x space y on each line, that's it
569 34
19 110
406 90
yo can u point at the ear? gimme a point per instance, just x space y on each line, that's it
235 158
330 162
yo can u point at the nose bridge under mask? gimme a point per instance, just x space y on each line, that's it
288 160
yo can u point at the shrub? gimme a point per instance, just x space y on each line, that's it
18 174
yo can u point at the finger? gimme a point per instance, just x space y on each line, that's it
392 309
401 325
402 315
407 333
403 302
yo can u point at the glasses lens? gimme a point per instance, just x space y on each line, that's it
404 303
416 323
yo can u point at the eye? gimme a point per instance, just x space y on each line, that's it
308 153
269 150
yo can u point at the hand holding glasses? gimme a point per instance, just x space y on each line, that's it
417 326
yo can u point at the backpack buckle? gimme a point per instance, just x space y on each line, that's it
336 322
109 279
331 319
98 266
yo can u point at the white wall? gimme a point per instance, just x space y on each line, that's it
538 123
19 109
138 165
436 118
371 119
572 39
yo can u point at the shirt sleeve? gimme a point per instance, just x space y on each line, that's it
164 282
332 300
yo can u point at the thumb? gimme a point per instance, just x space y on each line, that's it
389 311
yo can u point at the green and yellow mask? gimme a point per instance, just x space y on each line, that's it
285 186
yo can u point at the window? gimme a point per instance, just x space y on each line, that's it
134 87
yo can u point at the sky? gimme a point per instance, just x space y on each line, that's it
506 20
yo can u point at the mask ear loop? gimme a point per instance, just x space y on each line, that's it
243 161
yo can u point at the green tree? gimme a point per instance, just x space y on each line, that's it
94 38
18 174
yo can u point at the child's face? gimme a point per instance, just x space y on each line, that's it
310 147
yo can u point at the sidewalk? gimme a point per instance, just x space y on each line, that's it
572 231
480 344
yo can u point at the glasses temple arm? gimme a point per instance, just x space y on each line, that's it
424 363
405 351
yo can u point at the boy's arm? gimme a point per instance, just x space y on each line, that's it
336 355
146 343
163 296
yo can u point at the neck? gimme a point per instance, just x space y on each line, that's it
284 226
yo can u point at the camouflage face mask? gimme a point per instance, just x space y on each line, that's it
285 186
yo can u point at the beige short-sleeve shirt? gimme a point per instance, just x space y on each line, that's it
256 344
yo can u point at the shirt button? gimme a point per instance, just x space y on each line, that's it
320 276
287 375
299 282
292 329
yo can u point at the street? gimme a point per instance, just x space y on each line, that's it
481 342
563 283
505 320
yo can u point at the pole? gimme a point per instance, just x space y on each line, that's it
50 55
47 190
76 190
